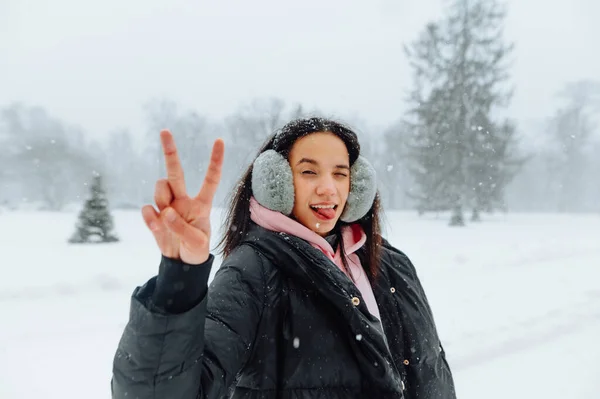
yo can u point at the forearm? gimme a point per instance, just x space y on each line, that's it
180 287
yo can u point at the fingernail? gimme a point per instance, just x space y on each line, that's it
171 215
153 226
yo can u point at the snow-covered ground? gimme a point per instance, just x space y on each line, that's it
516 298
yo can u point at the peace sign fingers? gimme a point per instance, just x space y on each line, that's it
173 164
213 174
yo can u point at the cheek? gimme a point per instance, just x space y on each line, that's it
301 188
344 189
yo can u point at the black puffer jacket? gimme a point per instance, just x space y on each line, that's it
282 321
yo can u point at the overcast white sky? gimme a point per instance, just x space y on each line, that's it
96 63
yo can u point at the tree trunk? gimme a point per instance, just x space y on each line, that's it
457 218
476 215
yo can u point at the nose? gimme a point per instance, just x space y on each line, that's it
326 186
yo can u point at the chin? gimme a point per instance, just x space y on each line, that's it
323 227
313 223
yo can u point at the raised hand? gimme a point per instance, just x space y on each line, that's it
181 226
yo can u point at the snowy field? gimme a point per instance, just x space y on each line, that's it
516 299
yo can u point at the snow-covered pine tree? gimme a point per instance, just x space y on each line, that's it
462 157
494 167
95 222
427 152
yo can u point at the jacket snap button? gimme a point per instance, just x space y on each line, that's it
355 301
392 290
406 362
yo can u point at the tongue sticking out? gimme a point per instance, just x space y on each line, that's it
327 213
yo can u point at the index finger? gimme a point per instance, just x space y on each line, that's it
213 174
173 164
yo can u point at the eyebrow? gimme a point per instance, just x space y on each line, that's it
313 162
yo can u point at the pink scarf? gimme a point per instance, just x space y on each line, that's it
354 237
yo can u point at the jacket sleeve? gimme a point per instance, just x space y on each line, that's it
196 353
433 378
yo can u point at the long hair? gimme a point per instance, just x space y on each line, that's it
237 221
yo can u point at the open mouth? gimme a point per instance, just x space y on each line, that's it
324 212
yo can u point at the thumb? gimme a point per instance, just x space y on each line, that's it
189 235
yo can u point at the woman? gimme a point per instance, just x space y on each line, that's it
309 302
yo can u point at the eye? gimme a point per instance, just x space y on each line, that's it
341 174
308 172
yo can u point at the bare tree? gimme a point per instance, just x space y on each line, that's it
253 122
44 163
393 169
123 170
571 130
247 128
160 114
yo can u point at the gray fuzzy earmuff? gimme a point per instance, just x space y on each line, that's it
363 188
273 185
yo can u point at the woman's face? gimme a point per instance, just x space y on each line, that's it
321 168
